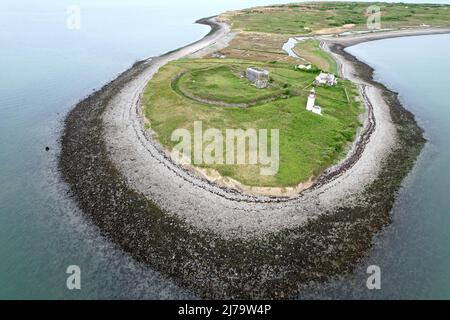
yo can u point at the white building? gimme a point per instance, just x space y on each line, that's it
304 66
311 104
259 77
326 78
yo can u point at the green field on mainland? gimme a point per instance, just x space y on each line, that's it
310 18
308 143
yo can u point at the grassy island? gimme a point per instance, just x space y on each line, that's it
215 92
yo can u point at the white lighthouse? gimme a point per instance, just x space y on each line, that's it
311 100
311 104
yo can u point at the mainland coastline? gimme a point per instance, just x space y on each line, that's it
223 255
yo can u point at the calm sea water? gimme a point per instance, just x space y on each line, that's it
45 68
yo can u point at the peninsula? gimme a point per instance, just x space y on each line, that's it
222 230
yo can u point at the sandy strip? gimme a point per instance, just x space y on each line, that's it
181 193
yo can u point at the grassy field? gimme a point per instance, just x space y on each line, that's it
224 83
311 51
331 17
258 47
308 143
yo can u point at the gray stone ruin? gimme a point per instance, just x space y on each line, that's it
259 77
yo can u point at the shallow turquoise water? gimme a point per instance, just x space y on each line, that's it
45 68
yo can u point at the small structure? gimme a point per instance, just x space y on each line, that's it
304 66
326 78
311 104
259 77
218 55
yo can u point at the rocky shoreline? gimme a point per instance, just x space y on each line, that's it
224 264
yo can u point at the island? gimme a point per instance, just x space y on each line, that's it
224 230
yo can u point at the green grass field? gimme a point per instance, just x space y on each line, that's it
309 18
308 143
310 50
224 83
215 92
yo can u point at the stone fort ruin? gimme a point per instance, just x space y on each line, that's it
259 77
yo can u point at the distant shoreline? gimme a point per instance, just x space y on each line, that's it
354 39
223 230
